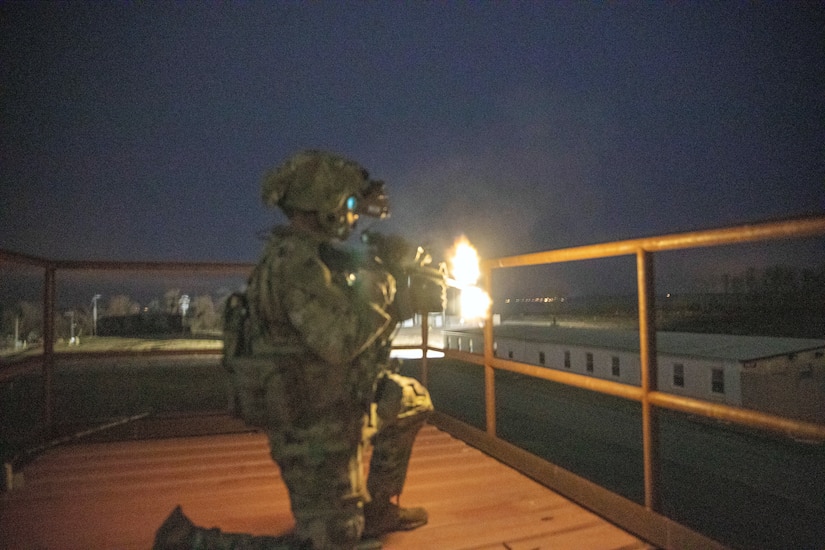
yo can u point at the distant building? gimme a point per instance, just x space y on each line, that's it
784 376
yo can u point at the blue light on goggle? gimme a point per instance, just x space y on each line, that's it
352 202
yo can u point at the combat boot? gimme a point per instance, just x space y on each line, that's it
175 532
179 533
384 516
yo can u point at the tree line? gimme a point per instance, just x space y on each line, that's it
777 281
25 319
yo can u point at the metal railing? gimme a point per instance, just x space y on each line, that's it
647 394
51 268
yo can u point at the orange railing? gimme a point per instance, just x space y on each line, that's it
647 394
51 268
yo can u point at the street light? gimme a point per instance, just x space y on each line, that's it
95 298
184 306
70 315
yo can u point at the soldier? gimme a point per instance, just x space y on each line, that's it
308 348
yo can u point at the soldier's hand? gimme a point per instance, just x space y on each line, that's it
376 286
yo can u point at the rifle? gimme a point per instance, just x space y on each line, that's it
420 284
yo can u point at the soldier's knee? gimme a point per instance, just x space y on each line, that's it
416 397
400 397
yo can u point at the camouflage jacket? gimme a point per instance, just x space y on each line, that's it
297 304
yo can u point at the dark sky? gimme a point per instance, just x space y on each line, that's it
140 131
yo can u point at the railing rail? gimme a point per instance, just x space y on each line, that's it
646 521
646 394
787 229
50 270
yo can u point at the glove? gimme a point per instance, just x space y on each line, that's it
375 286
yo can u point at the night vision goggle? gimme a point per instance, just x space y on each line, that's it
373 201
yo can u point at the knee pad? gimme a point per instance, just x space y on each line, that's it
400 397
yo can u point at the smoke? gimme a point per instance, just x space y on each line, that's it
461 195
527 176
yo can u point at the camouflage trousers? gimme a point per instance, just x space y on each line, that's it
318 437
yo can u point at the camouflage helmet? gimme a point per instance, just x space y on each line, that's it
313 181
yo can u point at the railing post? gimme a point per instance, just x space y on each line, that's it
489 371
48 350
425 344
649 376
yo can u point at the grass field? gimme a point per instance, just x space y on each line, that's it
96 344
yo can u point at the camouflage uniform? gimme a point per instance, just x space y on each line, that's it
308 347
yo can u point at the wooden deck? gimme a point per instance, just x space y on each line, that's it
115 495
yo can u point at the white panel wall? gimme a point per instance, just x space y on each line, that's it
698 379
698 373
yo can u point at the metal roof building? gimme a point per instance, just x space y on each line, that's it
770 374
730 347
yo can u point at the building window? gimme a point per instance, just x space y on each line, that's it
679 375
541 358
589 362
566 359
616 369
717 381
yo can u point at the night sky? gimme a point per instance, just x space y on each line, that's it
140 131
